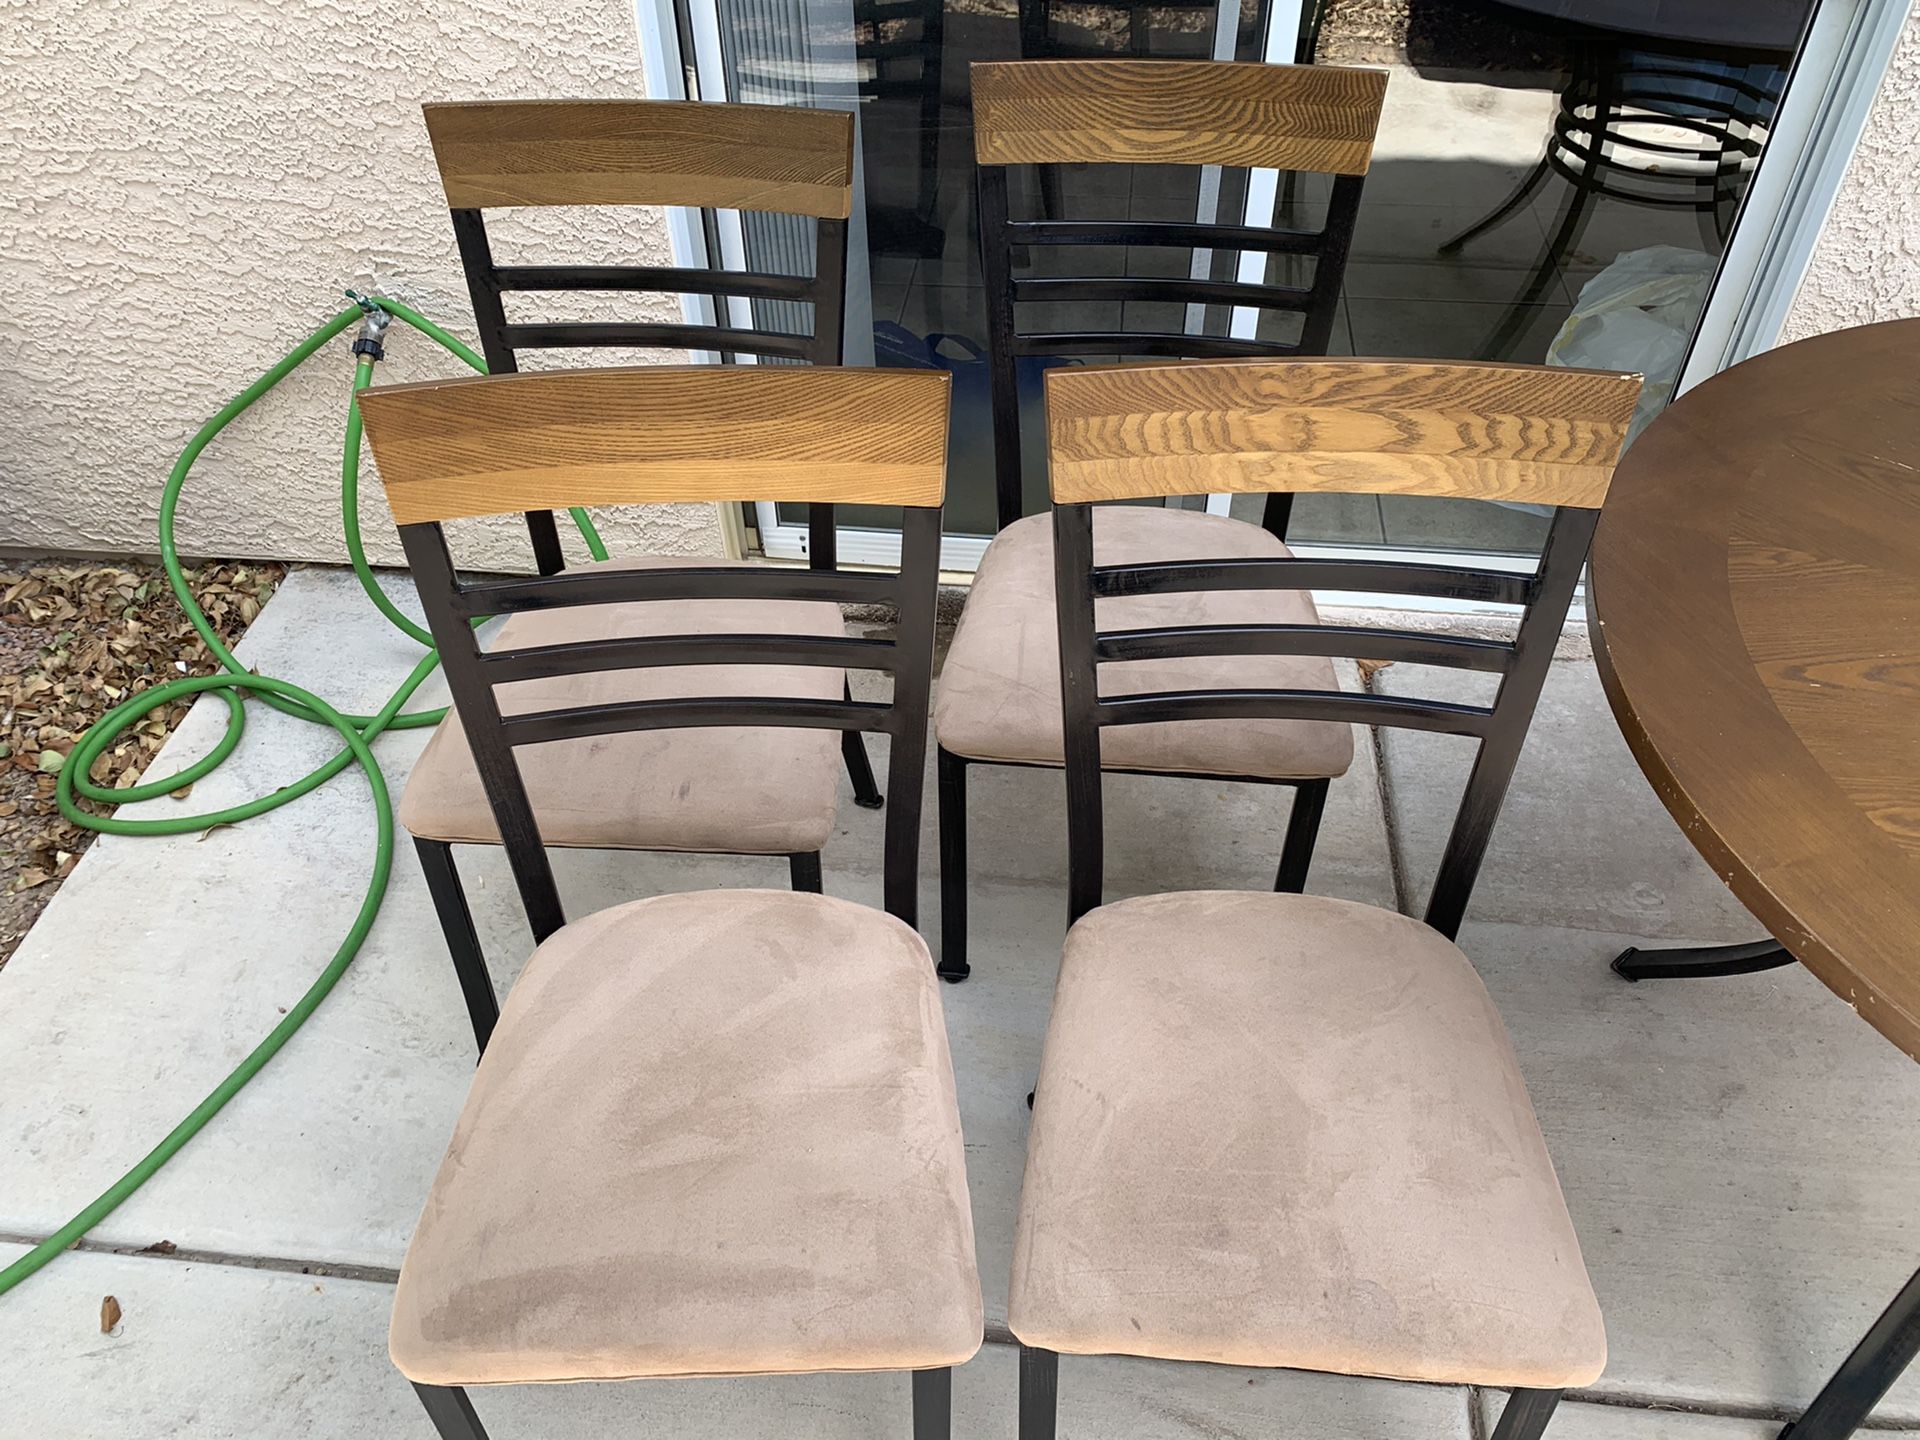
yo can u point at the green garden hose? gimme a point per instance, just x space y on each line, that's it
235 684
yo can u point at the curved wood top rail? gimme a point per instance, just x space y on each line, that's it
487 445
1176 112
1387 427
1755 587
644 152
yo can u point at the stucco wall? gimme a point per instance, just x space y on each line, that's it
189 185
1867 265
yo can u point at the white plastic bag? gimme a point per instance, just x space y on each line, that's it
1638 314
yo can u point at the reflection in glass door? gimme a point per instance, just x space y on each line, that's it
1554 181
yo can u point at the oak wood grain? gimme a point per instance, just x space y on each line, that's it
644 152
1756 600
488 445
1533 433
1176 112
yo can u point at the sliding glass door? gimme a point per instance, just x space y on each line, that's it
1554 181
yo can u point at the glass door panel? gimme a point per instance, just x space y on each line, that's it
1554 181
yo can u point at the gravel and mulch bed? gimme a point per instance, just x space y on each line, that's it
76 640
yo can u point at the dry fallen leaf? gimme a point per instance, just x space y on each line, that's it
109 1315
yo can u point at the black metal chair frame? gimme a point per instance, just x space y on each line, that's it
501 340
1318 303
1499 728
452 606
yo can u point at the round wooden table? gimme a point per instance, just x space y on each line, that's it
1755 597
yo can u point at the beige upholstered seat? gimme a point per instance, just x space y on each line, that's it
713 1134
1281 1130
999 693
734 791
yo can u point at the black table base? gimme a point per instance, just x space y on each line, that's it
1700 962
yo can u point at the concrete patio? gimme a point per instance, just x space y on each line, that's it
1739 1155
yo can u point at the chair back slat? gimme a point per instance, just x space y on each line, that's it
644 152
1147 342
663 279
1530 433
1162 288
1538 434
640 652
1172 112
755 711
497 444
659 434
1165 707
1300 118
1356 642
604 334
482 598
1396 577
1166 234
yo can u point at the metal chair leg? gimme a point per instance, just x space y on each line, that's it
1513 202
804 867
953 868
1303 829
1574 214
1526 1414
451 1412
853 754
1039 1393
1847 1399
932 1404
463 941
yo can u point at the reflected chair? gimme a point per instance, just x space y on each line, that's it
998 700
1284 1130
713 1133
738 792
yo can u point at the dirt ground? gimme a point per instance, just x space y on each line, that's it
76 640
1440 37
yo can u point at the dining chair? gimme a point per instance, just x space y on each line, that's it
712 1133
736 792
1286 1130
998 700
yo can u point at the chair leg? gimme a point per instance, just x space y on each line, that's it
805 870
953 868
1039 1393
1303 829
932 1404
1526 1414
463 941
451 1412
853 754
1535 178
